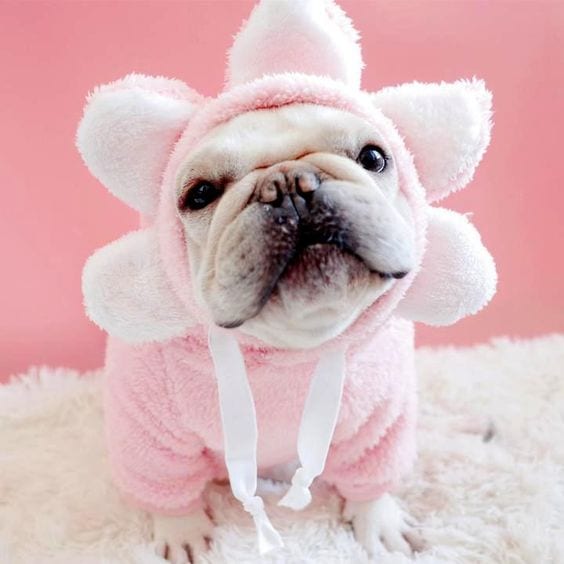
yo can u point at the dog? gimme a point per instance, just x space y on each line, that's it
309 229
290 217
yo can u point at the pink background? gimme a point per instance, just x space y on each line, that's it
53 214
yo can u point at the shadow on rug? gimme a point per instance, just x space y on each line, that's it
488 486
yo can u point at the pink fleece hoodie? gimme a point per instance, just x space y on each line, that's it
163 423
185 448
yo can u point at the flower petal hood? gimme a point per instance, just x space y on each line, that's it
136 131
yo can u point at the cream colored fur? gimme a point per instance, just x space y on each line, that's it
228 238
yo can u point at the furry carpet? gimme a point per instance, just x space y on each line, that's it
488 487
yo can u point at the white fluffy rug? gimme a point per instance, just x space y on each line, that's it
488 487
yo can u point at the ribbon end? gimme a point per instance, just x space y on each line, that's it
270 544
267 536
296 498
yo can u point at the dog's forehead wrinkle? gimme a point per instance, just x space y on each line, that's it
261 138
213 163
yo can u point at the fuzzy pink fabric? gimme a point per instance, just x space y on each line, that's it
164 430
162 414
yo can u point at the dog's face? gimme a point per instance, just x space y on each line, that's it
294 222
291 220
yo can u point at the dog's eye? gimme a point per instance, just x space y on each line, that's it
372 158
200 195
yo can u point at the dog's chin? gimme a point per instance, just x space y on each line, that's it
320 293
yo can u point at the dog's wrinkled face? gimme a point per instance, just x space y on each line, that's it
294 222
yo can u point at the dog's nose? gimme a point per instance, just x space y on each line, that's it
298 181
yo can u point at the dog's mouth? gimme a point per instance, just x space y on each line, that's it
326 245
316 256
315 265
321 254
320 262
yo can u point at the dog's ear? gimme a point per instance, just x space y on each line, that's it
445 126
127 293
128 131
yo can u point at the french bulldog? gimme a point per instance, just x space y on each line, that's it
295 225
294 215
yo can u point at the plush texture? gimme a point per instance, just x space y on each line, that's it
127 132
446 126
127 292
261 48
164 427
458 276
163 430
488 485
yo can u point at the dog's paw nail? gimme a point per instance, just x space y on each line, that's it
180 540
178 554
173 553
161 549
415 540
381 526
401 544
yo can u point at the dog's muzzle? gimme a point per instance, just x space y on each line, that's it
289 184
295 191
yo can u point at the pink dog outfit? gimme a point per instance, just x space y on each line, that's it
347 407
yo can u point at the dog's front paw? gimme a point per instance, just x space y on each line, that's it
381 525
180 539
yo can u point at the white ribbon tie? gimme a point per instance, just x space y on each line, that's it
240 434
317 426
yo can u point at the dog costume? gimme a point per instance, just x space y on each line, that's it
347 408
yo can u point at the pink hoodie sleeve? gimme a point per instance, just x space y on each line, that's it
374 444
156 462
371 464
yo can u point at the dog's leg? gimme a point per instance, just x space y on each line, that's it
157 463
368 465
180 538
381 525
165 479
